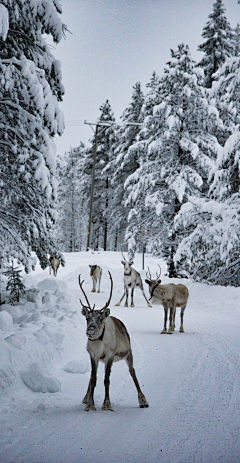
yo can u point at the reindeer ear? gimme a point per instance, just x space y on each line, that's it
106 312
85 311
148 282
122 261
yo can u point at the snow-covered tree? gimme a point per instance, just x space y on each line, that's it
14 283
210 252
30 89
218 44
102 186
125 161
72 203
176 162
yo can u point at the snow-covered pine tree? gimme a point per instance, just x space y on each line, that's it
14 284
102 200
211 250
71 226
124 162
218 44
30 89
176 163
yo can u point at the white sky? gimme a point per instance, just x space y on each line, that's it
115 43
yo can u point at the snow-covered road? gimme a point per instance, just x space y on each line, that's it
191 381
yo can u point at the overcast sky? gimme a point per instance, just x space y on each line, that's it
113 44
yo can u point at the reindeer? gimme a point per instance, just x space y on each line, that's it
170 296
54 264
96 274
108 342
131 280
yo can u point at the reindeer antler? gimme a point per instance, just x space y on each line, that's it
158 276
110 297
123 256
131 254
148 274
85 306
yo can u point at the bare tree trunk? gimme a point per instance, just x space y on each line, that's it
105 222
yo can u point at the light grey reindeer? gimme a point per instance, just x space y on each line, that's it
170 296
132 279
96 274
108 342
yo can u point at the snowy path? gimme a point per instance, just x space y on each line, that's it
191 380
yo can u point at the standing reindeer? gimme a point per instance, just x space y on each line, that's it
54 264
96 274
131 280
108 342
170 296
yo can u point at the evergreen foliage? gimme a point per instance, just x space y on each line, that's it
14 284
30 89
218 44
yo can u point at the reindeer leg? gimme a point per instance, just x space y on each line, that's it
164 331
126 301
141 397
120 299
132 292
89 397
107 404
181 330
171 316
148 303
99 281
94 286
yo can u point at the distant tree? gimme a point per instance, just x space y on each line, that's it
30 89
72 203
102 188
236 40
125 161
218 45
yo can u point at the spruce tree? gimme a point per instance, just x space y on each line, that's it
30 90
218 44
14 284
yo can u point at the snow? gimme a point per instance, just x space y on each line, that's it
4 22
190 380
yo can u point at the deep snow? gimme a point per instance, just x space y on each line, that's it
190 380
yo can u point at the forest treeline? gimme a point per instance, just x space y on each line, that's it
166 178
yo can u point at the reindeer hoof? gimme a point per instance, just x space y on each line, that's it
99 291
117 304
107 405
181 330
90 406
149 305
164 331
142 400
132 305
93 291
170 332
125 305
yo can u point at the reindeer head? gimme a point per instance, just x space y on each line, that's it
127 264
92 268
153 284
95 318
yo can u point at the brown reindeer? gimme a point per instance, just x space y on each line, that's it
108 342
54 264
170 296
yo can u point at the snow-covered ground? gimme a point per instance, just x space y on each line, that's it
191 380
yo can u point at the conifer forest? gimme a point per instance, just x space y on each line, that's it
166 179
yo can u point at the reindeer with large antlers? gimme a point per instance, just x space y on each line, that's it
108 342
170 296
132 279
